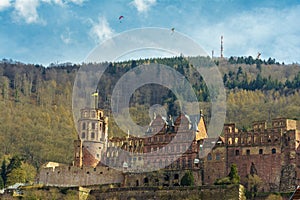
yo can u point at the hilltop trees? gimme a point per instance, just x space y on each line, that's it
35 102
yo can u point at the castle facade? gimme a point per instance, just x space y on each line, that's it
170 147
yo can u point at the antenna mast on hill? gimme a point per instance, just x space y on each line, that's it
222 46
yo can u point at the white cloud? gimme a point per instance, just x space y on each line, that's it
101 30
27 10
79 2
66 36
143 5
272 32
4 4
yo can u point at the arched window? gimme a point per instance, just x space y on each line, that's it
209 157
237 152
92 135
273 151
83 135
83 126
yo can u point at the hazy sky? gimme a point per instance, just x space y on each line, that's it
46 31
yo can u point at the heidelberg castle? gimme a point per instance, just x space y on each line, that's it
271 151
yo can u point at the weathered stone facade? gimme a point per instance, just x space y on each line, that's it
274 152
170 148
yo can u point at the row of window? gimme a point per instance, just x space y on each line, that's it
248 152
92 136
85 114
167 138
171 148
248 140
93 126
217 156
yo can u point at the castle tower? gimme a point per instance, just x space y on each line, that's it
93 132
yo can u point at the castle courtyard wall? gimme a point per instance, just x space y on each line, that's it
70 176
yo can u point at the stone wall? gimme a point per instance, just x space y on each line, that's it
160 178
67 176
231 192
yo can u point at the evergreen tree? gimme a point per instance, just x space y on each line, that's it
187 179
3 172
233 175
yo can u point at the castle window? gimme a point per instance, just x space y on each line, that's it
160 163
146 181
149 139
83 126
183 163
261 151
273 151
237 152
209 157
93 135
217 156
177 148
85 114
236 140
189 163
83 135
249 140
160 139
248 152
93 114
229 141
176 176
93 126
178 164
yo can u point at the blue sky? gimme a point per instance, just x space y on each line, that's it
58 31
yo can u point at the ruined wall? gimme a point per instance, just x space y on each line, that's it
159 178
231 192
66 176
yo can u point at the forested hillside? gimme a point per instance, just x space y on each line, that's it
35 102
